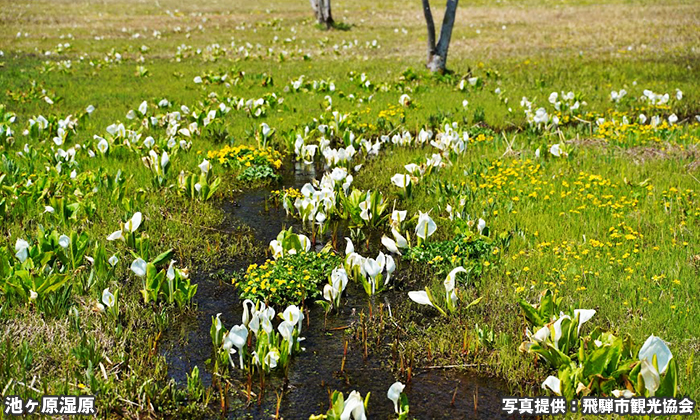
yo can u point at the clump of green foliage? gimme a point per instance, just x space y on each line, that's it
469 250
254 173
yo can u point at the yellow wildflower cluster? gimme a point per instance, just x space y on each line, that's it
436 260
246 156
290 192
524 181
370 127
481 138
507 177
634 134
268 281
392 111
580 262
624 252
563 118
622 231
289 279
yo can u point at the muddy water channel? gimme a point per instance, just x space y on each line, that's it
432 393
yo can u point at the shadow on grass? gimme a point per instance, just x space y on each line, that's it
339 26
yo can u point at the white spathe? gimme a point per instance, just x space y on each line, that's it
426 226
205 166
623 393
420 297
108 298
117 234
656 346
372 267
553 383
401 180
349 247
652 379
583 315
481 225
557 328
451 277
64 241
541 334
555 150
133 224
139 267
390 244
394 394
286 330
401 241
354 406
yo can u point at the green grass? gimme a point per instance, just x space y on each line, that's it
641 284
647 284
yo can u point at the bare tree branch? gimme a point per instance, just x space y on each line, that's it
446 32
431 28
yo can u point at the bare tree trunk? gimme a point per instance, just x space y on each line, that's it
322 10
431 28
317 8
437 54
327 17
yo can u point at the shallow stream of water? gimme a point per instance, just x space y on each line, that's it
432 393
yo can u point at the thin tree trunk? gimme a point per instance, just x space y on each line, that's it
431 28
327 17
322 10
437 55
447 25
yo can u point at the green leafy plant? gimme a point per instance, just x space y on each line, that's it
254 173
195 389
471 251
365 208
486 336
258 345
172 284
159 167
264 135
202 187
177 287
35 271
288 242
427 297
600 363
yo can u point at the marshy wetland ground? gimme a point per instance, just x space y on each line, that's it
187 190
